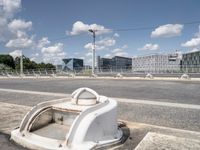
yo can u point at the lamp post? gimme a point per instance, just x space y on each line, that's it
21 64
93 49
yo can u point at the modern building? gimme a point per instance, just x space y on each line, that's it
119 62
157 63
73 64
116 63
191 62
104 63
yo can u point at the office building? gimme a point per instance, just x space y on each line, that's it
119 62
157 63
116 63
73 64
191 62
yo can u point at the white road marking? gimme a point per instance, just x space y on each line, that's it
122 100
167 104
35 92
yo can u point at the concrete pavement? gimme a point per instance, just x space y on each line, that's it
12 114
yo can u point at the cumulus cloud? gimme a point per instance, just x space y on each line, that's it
10 7
14 31
80 27
119 52
43 42
88 54
15 53
168 30
20 38
116 35
7 10
58 47
20 43
193 42
150 47
17 24
53 54
101 44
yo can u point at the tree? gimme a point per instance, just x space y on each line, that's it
7 60
28 64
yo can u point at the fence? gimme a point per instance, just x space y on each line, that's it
169 70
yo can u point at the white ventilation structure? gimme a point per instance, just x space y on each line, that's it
87 121
119 75
149 76
185 76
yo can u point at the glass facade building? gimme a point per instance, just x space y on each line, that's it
191 62
116 63
119 62
73 64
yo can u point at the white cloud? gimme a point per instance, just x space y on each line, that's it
53 54
106 42
43 42
20 43
10 7
107 55
116 35
150 47
14 31
19 38
168 30
88 54
101 44
125 46
7 10
80 27
15 53
58 47
124 54
192 43
17 24
117 50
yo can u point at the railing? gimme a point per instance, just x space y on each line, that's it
139 70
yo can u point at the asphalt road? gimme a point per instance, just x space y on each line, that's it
164 91
186 92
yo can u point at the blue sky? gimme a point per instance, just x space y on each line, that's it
36 26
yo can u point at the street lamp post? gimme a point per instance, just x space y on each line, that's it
93 49
21 64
